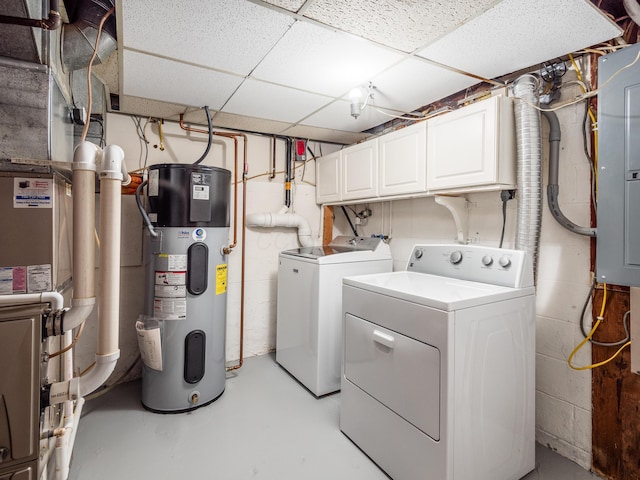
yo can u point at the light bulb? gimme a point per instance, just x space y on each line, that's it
355 95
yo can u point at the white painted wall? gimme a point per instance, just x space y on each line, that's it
563 397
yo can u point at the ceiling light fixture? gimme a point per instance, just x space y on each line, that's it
355 96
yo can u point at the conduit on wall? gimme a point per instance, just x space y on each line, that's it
529 166
552 184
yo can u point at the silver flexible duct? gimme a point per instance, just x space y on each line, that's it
529 166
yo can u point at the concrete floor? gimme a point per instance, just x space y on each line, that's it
265 426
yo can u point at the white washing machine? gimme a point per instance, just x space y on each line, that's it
309 310
439 362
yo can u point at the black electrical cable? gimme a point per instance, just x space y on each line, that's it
344 210
143 212
505 196
206 152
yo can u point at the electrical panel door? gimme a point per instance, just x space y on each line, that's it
618 247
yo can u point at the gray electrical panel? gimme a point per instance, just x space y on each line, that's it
618 241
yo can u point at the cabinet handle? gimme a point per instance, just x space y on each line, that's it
383 338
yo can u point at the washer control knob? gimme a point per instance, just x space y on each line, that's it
455 257
505 262
418 253
487 260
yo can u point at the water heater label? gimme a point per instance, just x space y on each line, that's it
221 278
171 278
171 263
201 192
171 291
170 308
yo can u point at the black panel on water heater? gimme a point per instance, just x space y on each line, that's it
197 268
194 356
186 195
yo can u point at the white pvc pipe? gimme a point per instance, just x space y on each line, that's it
288 220
54 298
107 351
85 157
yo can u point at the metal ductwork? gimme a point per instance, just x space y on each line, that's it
79 37
529 166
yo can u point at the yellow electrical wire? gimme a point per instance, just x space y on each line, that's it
593 330
594 123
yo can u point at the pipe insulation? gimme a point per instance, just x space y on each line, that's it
79 37
553 188
529 166
287 220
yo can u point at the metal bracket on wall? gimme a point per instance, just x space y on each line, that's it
458 208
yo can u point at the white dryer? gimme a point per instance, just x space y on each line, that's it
439 361
309 310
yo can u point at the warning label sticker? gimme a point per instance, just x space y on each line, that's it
170 308
171 278
171 291
32 192
221 278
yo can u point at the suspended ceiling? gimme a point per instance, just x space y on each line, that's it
287 66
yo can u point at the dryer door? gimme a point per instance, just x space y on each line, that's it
398 371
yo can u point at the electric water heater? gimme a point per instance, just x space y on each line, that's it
182 332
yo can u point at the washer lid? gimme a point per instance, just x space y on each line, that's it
344 249
434 291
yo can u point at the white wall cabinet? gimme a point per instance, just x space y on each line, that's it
360 171
329 178
473 146
403 161
470 149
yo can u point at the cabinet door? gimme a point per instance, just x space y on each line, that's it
462 146
360 171
403 160
329 178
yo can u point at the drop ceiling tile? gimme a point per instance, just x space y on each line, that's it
529 33
414 83
318 59
337 116
273 102
168 81
405 25
230 35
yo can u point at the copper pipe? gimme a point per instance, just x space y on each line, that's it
227 250
52 23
